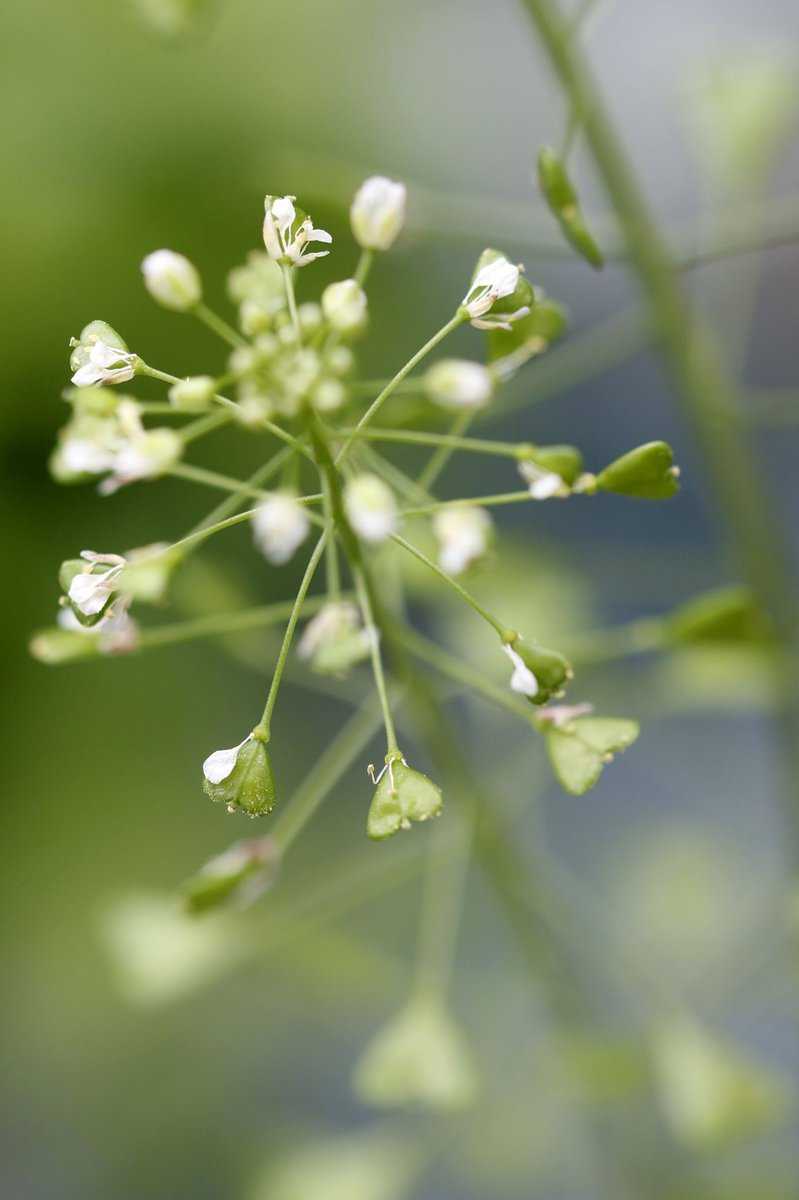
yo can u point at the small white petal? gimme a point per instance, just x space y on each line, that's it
522 680
220 764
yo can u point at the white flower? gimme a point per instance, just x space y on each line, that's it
344 306
221 763
193 394
458 383
377 213
280 526
522 680
90 591
172 280
370 507
105 364
494 281
85 449
542 484
141 453
288 232
463 535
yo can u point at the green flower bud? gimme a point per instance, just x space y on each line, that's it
94 401
580 747
241 778
54 646
377 213
402 795
726 614
647 472
345 308
238 877
562 199
193 395
329 395
419 1059
172 280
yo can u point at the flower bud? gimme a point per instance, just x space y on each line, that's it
241 778
236 878
172 280
193 395
402 795
498 295
463 535
562 199
377 213
280 525
580 747
419 1059
93 401
538 673
726 614
340 361
334 640
370 507
647 472
260 281
345 308
457 383
288 231
711 1093
329 395
53 646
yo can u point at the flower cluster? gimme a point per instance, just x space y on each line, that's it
292 373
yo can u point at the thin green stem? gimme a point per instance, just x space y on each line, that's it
493 501
377 403
333 573
399 480
220 624
503 631
207 424
364 599
439 459
218 325
264 473
442 903
364 266
226 483
280 665
288 280
414 437
326 772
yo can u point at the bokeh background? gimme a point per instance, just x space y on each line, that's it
145 1060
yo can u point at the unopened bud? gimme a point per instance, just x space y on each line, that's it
377 213
194 394
280 525
172 280
370 507
458 383
344 306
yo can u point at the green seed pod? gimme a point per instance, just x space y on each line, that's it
236 878
420 1058
563 202
726 614
402 795
647 472
241 778
580 749
53 646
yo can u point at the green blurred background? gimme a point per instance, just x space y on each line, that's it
195 1075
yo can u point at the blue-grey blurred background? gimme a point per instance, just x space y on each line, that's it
150 1061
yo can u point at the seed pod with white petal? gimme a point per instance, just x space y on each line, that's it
538 673
280 525
91 584
456 383
345 308
172 280
377 213
463 535
241 778
370 507
100 355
